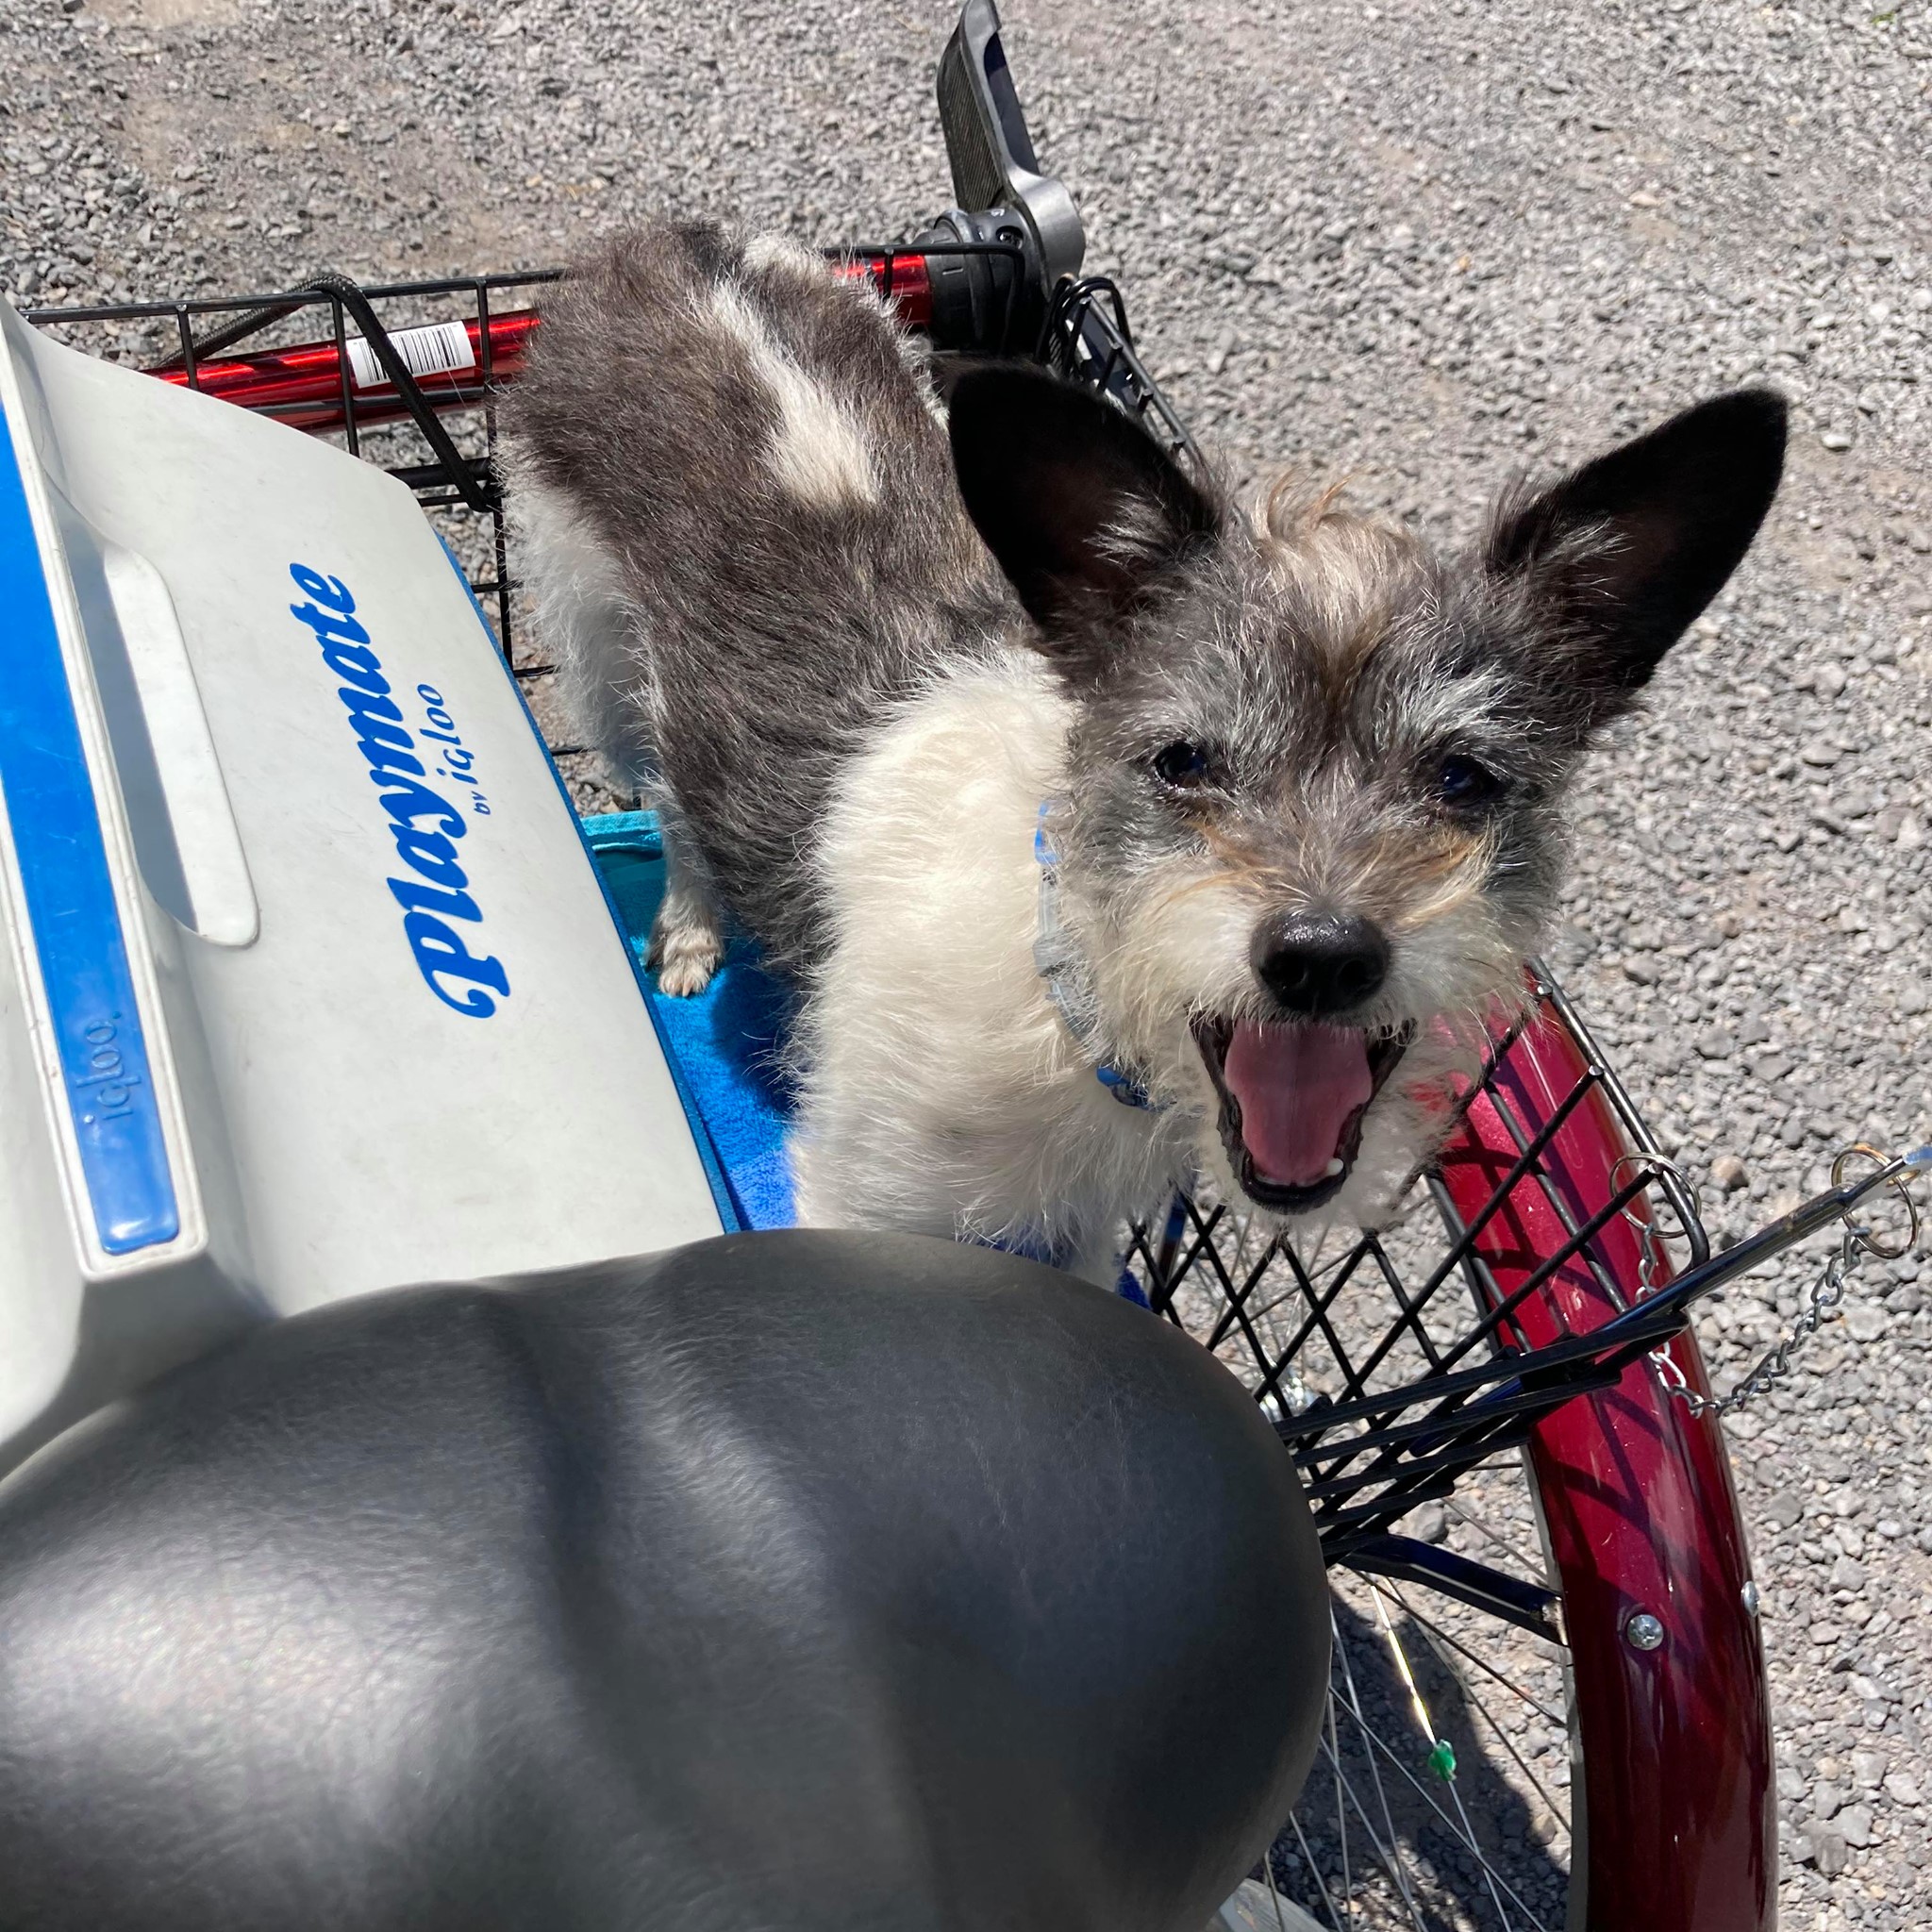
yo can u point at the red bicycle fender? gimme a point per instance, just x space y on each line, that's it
1641 1518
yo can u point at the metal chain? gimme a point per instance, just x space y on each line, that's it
1827 1294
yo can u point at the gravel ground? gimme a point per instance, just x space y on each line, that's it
1416 245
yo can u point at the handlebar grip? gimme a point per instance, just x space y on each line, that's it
973 282
989 285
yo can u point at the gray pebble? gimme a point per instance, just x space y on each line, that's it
1855 1826
1865 1322
1429 1524
1830 1856
1729 1173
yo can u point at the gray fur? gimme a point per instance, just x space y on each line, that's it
770 637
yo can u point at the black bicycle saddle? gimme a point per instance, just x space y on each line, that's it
797 1580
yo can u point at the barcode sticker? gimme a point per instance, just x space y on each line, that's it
437 348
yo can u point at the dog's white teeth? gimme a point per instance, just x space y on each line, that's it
1335 1167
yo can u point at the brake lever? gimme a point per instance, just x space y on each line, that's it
1016 234
993 162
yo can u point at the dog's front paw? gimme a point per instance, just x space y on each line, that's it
687 941
684 959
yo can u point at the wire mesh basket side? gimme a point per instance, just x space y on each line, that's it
1393 1362
321 359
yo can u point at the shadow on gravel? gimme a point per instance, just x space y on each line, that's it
1391 1800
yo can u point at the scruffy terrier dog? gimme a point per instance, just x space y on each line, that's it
1032 761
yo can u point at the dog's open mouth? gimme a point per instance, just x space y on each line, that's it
1292 1098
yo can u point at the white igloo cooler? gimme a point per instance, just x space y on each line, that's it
308 986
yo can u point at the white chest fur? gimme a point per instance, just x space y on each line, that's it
942 1090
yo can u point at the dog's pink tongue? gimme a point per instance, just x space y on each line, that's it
1297 1086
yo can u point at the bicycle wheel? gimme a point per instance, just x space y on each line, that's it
1548 1706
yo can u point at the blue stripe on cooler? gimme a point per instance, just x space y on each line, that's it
72 919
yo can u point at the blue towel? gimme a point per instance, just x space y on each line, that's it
726 1040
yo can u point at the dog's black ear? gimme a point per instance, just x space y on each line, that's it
1623 554
1084 511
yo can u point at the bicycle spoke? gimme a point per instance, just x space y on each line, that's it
1467 1842
1375 1772
1482 1664
1391 1863
1556 1810
1434 1638
1321 1883
1274 1895
1455 1508
1483 1865
1334 1749
1440 1754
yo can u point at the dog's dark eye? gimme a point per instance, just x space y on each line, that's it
1460 780
1181 765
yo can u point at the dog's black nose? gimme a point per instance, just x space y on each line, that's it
1317 964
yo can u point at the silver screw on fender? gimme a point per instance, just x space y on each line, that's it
1750 1598
1643 1632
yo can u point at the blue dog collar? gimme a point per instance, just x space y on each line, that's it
1059 962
